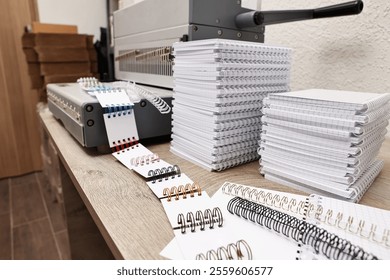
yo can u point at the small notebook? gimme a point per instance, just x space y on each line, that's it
347 100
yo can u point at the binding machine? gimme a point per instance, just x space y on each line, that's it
144 32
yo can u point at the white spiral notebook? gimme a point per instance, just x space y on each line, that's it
346 100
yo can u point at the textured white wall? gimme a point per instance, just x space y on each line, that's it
88 15
350 53
346 53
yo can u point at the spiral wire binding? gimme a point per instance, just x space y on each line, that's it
233 251
311 161
378 138
235 131
232 155
235 162
358 140
313 211
322 241
124 145
157 101
117 110
311 130
266 198
365 180
234 124
349 224
373 115
200 219
314 119
378 102
235 146
164 173
144 160
183 191
252 90
90 84
375 124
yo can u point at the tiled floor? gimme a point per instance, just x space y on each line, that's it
32 222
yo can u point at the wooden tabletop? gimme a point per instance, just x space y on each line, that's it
128 214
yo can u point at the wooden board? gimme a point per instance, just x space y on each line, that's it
38 27
72 78
31 40
62 54
19 136
64 68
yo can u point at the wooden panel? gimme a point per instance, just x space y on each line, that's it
30 40
33 7
31 55
5 237
4 196
27 203
64 68
38 27
85 240
65 78
63 54
34 69
34 241
18 121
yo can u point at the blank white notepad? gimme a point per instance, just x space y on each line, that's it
348 100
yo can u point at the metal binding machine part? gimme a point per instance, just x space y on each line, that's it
143 47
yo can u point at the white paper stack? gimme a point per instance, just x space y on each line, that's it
218 93
324 141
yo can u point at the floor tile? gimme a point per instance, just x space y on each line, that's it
34 241
4 196
21 180
5 237
26 199
55 208
63 243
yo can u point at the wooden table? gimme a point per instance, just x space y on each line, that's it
105 201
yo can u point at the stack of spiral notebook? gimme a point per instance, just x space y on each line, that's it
218 93
324 141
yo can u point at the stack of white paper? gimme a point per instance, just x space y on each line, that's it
324 141
218 93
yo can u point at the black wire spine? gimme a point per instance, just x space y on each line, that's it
322 241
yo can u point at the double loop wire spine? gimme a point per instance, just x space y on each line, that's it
233 251
200 219
322 241
183 191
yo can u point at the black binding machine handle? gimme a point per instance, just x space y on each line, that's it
254 18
